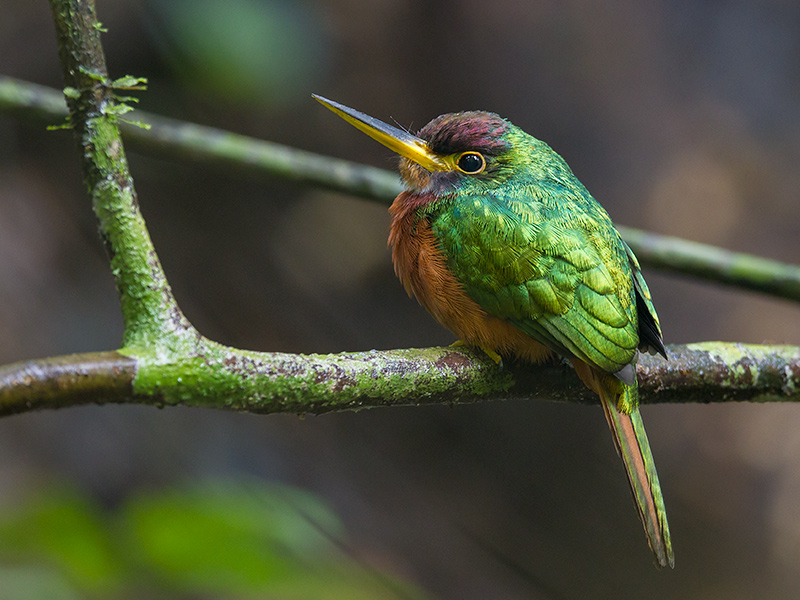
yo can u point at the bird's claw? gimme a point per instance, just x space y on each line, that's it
496 358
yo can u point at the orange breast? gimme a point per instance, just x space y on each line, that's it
422 269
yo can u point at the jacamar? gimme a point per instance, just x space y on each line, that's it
496 237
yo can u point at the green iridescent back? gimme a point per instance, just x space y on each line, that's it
533 247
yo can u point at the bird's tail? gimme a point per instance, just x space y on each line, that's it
634 449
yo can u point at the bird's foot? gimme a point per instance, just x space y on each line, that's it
496 358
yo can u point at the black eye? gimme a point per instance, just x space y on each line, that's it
471 163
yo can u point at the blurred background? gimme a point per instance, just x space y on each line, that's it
681 117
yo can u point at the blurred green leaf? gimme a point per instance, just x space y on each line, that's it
231 540
219 539
63 529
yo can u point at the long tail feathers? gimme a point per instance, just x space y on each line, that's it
634 449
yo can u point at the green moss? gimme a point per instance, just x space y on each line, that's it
731 353
744 362
222 377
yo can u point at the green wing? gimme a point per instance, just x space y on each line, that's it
650 337
550 262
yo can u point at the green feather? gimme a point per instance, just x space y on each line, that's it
631 442
533 247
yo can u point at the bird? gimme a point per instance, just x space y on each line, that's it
502 244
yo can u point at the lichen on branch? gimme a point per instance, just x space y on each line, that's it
217 376
152 318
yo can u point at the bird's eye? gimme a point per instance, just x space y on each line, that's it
471 163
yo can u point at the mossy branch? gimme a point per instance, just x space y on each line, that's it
177 139
151 315
165 361
219 377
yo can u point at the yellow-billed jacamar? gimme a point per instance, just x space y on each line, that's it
500 242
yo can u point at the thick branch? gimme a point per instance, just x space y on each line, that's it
173 139
65 381
225 378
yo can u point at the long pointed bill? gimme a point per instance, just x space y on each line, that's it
393 138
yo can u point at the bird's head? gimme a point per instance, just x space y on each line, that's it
472 151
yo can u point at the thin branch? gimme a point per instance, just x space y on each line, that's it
177 139
171 138
150 313
710 263
230 379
